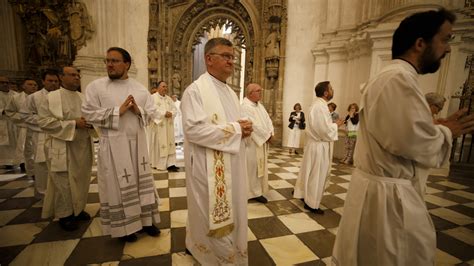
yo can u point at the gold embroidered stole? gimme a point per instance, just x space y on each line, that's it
218 165
259 150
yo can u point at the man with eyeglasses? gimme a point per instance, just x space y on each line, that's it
162 147
17 114
258 143
120 107
50 80
214 152
69 152
10 155
385 220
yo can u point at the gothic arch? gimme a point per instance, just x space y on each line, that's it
195 21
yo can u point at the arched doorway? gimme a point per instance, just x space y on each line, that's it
224 28
196 26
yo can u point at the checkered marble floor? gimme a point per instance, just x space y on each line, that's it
280 232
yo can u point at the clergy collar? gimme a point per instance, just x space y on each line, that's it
215 79
407 65
253 103
321 100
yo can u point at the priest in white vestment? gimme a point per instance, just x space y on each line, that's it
120 107
69 152
258 143
214 151
385 220
9 154
16 112
33 101
163 149
320 133
178 125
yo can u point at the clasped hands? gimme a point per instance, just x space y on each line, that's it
129 104
246 127
82 123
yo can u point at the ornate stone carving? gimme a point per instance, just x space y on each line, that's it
176 84
80 24
55 31
186 22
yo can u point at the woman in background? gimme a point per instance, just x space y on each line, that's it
297 123
352 123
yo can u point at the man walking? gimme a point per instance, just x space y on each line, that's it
321 132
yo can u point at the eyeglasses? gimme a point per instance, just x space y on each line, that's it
227 57
112 61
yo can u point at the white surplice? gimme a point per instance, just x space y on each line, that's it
320 133
385 220
201 135
257 147
161 135
10 154
127 190
31 109
24 136
178 125
69 154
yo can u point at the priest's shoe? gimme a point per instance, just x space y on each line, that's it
261 199
317 211
68 223
83 216
151 230
129 238
173 168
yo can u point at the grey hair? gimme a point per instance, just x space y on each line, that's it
435 99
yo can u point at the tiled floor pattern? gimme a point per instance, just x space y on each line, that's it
280 232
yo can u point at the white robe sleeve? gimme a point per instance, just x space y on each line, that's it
321 124
30 108
97 115
406 129
200 131
150 112
12 110
260 133
60 129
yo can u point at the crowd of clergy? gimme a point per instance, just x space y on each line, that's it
226 144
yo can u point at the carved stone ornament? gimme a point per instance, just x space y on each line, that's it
55 30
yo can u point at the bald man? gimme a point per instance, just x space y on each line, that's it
257 144
69 152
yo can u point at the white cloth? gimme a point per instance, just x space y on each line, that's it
385 220
257 147
294 137
10 154
32 104
15 110
126 187
178 125
201 135
320 133
161 134
69 154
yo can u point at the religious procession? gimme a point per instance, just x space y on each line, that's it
138 148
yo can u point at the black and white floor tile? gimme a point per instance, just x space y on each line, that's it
280 232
